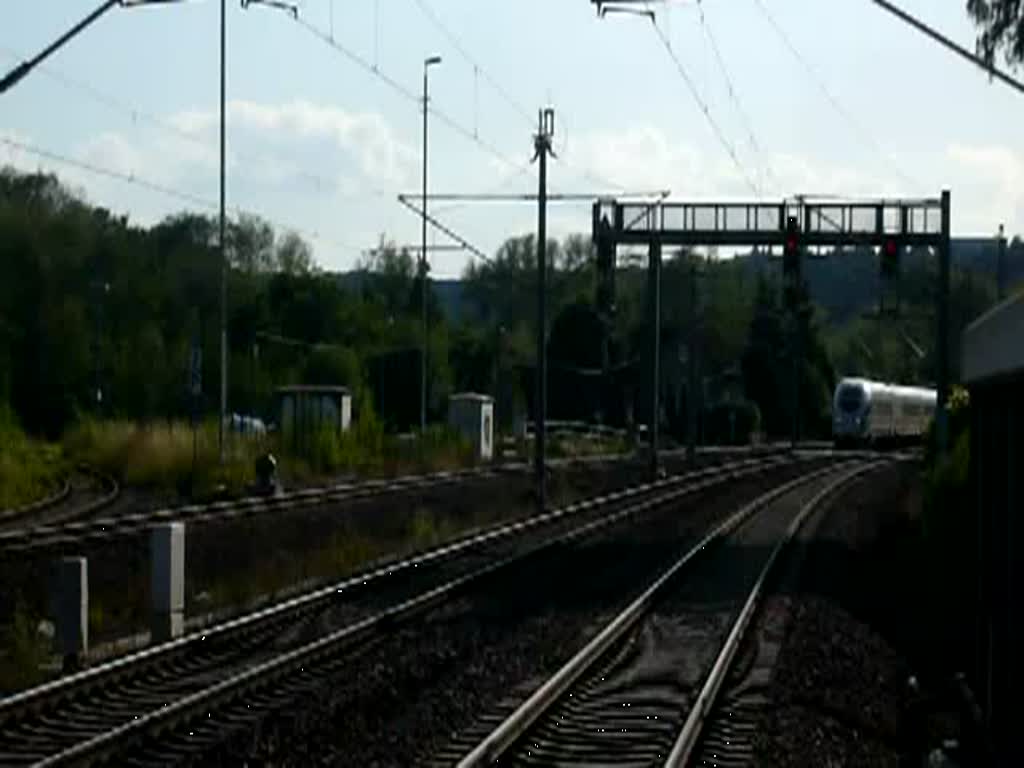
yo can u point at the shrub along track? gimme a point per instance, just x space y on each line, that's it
851 630
96 710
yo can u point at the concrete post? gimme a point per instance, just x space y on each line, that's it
167 585
70 606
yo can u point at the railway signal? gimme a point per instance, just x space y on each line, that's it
605 273
791 249
890 258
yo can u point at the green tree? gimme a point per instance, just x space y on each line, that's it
1000 28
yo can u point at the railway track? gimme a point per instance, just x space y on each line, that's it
211 681
645 690
83 494
86 527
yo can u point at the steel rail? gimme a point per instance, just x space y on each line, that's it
40 538
210 697
73 685
512 728
690 734
112 488
52 500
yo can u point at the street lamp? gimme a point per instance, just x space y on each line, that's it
294 11
427 64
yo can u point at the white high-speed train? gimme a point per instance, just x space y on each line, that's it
870 411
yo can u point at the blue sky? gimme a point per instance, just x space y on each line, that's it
318 144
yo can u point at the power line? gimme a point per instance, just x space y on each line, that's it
436 21
406 92
726 144
167 191
521 197
478 68
520 172
137 113
418 210
733 96
451 122
857 126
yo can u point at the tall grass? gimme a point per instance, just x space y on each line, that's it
29 470
367 450
165 456
160 456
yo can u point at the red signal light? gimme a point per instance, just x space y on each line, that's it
890 248
791 243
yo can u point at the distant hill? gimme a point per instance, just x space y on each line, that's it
449 292
843 288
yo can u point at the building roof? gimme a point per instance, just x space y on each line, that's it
993 345
312 390
472 397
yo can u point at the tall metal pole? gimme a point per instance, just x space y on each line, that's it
423 272
1001 264
942 343
427 63
542 146
691 371
798 366
222 227
654 281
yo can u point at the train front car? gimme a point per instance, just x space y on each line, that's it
851 410
881 414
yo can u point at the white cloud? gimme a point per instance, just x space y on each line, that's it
322 169
366 136
987 186
987 181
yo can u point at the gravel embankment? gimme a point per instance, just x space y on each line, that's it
402 701
840 693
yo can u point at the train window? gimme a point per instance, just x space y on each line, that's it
850 399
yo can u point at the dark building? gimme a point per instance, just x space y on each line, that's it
993 370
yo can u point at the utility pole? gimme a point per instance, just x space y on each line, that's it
542 148
654 307
1001 264
691 370
100 290
223 227
427 64
942 343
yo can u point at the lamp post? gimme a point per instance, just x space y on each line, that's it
220 240
427 64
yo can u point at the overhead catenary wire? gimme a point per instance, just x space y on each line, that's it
162 189
479 71
703 105
863 133
731 89
137 113
437 225
435 19
406 92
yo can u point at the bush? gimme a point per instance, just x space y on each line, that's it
25 651
29 470
745 422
